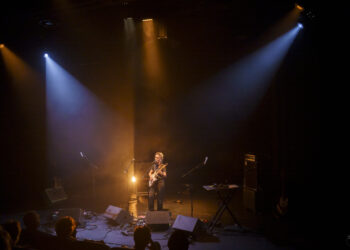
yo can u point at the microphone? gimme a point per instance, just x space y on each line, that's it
87 159
127 169
205 160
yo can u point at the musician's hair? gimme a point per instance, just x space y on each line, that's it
160 154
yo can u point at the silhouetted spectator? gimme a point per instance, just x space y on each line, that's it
31 220
142 239
178 240
66 232
65 227
31 236
5 240
13 227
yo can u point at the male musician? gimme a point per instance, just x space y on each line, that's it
157 175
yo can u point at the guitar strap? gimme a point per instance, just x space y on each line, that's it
156 167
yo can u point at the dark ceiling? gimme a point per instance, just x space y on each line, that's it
54 15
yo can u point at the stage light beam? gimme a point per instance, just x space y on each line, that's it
21 73
238 89
152 60
299 7
74 116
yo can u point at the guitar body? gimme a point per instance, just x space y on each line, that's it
282 206
154 177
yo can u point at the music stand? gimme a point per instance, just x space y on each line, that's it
190 186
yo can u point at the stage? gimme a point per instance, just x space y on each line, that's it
257 231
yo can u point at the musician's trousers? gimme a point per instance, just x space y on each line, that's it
157 187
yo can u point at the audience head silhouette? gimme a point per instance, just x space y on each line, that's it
31 220
178 240
5 240
142 237
65 227
13 227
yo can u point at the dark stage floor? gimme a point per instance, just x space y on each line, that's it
258 231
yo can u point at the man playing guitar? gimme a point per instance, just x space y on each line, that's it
157 175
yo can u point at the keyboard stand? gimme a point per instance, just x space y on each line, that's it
225 196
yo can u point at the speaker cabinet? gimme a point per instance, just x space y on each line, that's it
117 214
249 199
158 220
186 223
250 172
56 194
190 225
252 199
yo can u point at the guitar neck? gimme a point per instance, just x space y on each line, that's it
159 169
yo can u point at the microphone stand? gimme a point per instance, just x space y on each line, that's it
190 186
93 168
126 172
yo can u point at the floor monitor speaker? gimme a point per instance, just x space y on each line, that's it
158 220
186 223
56 194
117 214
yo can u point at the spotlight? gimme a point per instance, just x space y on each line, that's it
300 26
46 55
299 7
147 20
2 45
133 179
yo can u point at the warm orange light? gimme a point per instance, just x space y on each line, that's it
147 20
152 62
20 71
133 179
299 7
162 32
